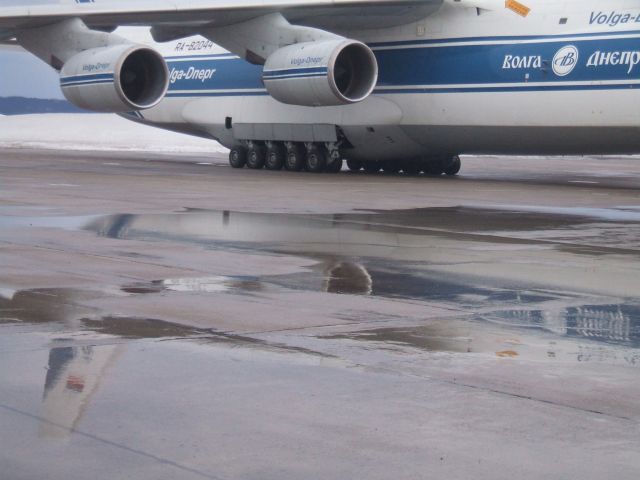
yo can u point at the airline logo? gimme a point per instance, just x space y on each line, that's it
299 61
95 67
192 73
565 60
628 59
613 19
518 62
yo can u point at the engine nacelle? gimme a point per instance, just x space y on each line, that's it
115 79
322 73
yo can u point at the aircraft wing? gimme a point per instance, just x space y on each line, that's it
195 14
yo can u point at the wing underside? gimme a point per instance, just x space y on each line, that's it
196 15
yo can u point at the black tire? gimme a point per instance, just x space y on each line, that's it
354 165
294 160
275 157
256 157
335 166
316 160
411 167
238 157
391 166
454 166
433 166
371 167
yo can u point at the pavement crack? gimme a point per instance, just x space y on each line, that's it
113 444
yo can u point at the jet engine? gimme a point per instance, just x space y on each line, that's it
321 73
115 79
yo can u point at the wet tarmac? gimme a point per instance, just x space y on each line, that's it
467 330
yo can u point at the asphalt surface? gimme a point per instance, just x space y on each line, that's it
168 317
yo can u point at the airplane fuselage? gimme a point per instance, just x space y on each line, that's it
563 80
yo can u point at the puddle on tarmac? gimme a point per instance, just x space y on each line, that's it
615 324
433 338
492 262
475 337
137 328
211 284
62 308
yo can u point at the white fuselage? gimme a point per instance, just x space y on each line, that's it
563 80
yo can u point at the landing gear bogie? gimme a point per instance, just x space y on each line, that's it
411 167
371 167
354 165
335 166
328 157
391 167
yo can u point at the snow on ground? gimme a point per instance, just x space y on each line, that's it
95 132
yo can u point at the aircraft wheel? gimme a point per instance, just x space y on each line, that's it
354 165
316 160
454 167
256 157
371 167
391 166
335 166
411 167
433 166
238 156
275 157
294 160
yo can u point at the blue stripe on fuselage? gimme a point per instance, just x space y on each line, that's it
81 78
445 66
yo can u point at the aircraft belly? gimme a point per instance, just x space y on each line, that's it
520 123
531 140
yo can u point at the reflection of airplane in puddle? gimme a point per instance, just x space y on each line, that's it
337 277
73 373
73 376
608 323
347 277
471 258
444 265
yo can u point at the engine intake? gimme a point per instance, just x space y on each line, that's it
115 79
323 73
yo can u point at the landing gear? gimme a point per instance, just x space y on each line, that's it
411 167
391 166
256 157
328 157
433 166
275 157
316 160
454 166
354 165
238 157
335 166
294 161
371 167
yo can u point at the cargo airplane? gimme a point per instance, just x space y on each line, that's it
393 85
